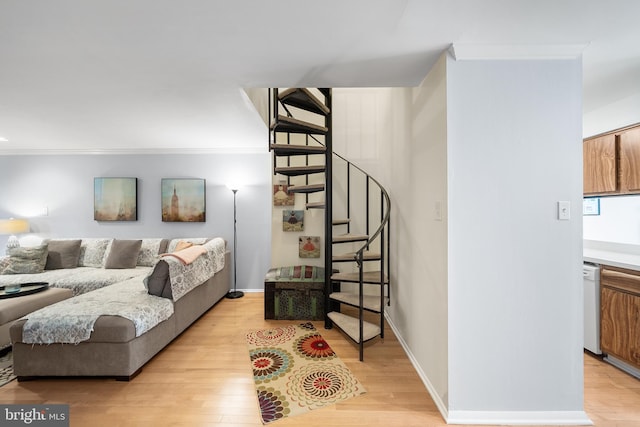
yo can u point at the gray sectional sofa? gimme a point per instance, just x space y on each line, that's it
129 319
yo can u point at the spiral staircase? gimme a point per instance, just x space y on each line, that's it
300 138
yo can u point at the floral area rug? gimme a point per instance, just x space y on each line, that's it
295 371
6 369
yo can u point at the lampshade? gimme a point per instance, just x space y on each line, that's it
13 226
233 185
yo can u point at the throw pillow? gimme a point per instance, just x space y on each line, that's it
150 251
123 254
158 282
92 252
4 262
63 254
28 260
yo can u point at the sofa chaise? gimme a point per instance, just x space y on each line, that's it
130 320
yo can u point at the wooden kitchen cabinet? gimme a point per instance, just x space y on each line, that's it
611 163
600 165
630 161
620 314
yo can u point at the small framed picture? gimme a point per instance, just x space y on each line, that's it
591 206
282 196
115 199
183 200
309 247
292 220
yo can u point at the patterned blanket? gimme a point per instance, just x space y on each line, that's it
186 277
71 321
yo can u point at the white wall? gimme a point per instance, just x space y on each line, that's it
621 113
618 222
515 291
487 299
64 184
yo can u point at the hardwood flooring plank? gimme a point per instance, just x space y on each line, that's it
204 378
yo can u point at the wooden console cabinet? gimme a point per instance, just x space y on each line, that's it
620 314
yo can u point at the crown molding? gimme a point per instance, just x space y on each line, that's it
477 51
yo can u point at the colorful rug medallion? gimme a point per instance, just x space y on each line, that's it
295 371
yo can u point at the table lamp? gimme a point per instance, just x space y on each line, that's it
12 227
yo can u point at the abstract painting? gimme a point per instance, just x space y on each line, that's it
115 199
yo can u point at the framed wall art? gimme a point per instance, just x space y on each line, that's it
115 199
591 206
309 247
292 220
282 196
183 200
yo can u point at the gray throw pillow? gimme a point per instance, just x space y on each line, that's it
123 254
26 260
158 282
63 254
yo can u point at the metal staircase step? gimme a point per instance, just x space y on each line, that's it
340 221
371 277
351 326
299 170
351 256
297 150
346 238
304 99
291 125
312 188
369 302
315 205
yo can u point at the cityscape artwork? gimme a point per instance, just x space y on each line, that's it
183 200
115 199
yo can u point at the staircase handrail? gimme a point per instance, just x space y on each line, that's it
385 220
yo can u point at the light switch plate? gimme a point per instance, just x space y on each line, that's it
564 210
437 210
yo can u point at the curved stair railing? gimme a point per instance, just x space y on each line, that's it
311 139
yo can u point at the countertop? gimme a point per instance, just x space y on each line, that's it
613 254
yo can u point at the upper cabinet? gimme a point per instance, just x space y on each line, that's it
600 166
611 163
630 161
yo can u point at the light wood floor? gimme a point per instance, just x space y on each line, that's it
204 378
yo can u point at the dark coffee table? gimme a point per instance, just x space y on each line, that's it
25 289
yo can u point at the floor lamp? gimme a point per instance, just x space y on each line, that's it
235 293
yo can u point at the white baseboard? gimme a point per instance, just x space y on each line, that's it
491 417
555 418
442 407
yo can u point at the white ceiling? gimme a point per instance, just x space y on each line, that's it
85 75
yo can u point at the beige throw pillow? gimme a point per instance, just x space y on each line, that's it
63 254
123 254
